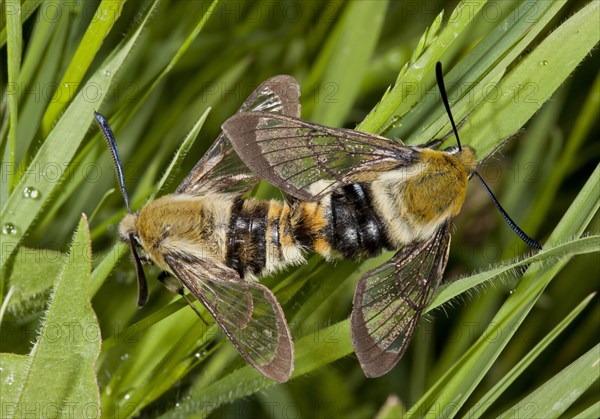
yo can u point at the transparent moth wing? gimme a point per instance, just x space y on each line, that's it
390 299
309 160
220 170
247 312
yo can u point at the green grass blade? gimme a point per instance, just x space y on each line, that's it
555 396
56 153
69 340
523 91
104 18
350 46
396 102
333 343
492 395
551 254
14 52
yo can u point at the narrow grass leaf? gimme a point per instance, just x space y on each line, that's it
397 101
14 52
104 18
350 46
452 389
550 254
332 343
495 392
535 78
556 395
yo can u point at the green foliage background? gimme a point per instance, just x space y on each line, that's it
520 334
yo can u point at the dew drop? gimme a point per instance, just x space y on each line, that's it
107 73
10 379
127 397
544 63
124 357
9 229
31 193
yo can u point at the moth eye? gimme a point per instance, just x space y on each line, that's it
452 149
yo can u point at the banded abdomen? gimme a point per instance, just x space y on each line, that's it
264 236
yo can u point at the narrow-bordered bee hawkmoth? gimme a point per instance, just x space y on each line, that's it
354 195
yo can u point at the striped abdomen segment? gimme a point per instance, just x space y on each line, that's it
356 229
265 236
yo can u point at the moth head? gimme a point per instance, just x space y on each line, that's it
128 227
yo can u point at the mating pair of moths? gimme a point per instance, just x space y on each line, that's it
351 195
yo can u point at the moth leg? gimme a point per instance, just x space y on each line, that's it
175 286
145 260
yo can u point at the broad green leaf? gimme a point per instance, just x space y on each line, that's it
13 370
61 376
33 274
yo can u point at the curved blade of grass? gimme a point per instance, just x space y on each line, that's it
350 46
495 392
554 397
104 18
591 412
452 389
58 150
27 9
523 91
578 246
69 340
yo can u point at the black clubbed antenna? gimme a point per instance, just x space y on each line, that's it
112 145
522 235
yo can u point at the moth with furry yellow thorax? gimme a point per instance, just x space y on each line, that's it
352 195
356 194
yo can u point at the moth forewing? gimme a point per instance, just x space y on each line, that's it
309 160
